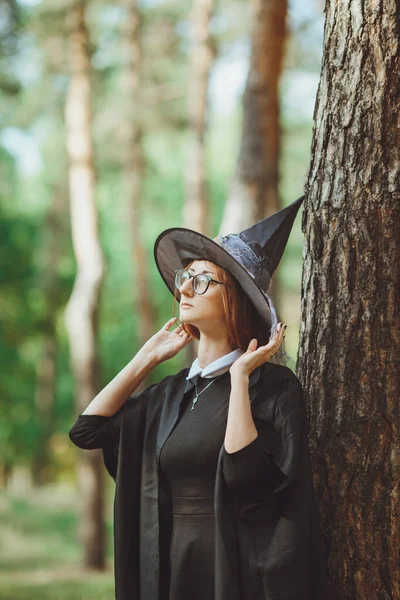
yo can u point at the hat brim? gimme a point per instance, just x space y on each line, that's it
174 248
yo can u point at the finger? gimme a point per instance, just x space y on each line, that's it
186 339
169 323
253 344
278 335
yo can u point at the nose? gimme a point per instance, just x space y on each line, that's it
187 287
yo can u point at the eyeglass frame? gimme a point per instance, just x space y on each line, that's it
209 280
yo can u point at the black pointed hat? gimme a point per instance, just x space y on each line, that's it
251 256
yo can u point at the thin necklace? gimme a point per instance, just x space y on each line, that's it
199 393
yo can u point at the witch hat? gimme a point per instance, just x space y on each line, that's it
251 256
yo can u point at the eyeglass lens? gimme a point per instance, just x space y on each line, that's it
200 282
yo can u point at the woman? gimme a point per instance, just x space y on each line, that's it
214 496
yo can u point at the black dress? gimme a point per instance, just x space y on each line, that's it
187 467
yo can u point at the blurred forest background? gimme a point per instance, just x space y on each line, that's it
119 120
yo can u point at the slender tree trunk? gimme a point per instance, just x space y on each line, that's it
134 167
254 191
82 309
44 400
196 208
6 471
349 355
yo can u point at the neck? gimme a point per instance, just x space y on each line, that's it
212 348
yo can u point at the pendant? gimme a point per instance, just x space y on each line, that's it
194 401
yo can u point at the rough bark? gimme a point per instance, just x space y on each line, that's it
83 305
254 190
133 171
196 207
349 354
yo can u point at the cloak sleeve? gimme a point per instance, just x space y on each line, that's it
285 423
97 431
254 463
279 545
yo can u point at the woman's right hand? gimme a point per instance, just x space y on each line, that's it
166 343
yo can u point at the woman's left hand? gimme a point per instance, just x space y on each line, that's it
254 357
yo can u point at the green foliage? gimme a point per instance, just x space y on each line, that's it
18 327
31 302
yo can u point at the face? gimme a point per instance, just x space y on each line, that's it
205 311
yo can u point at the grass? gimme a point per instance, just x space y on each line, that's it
40 554
49 586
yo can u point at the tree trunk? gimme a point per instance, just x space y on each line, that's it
196 211
82 309
196 208
349 354
134 167
44 401
254 191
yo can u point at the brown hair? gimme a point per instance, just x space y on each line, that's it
243 321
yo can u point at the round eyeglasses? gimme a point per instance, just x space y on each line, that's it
200 281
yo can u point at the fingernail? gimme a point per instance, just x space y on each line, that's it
285 327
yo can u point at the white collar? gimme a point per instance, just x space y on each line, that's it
217 367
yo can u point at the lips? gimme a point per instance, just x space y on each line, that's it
185 304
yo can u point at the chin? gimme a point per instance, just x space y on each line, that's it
187 321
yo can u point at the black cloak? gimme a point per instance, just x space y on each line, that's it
266 548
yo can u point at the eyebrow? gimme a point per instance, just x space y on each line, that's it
202 273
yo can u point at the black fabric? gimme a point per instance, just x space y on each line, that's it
263 539
188 465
